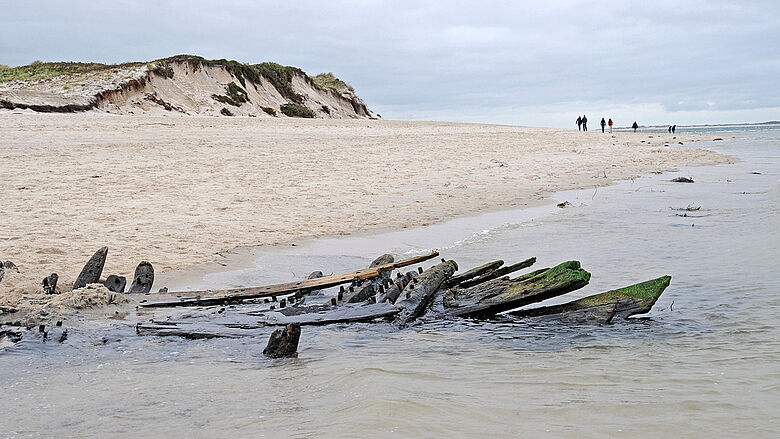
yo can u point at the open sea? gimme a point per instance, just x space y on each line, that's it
704 363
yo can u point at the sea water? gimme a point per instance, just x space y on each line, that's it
706 363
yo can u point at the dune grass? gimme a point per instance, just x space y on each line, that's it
38 70
329 81
297 110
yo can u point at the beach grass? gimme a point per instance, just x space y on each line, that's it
329 81
297 110
38 70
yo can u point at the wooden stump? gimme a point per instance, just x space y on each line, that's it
284 342
50 284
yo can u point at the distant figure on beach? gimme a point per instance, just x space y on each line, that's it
674 128
635 126
579 123
670 128
610 125
584 123
603 124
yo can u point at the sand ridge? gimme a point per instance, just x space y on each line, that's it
177 190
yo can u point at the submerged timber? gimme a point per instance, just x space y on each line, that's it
407 299
380 293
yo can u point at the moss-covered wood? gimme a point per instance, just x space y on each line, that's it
504 294
603 308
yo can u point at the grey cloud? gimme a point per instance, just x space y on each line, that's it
519 62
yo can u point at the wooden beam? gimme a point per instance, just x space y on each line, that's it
234 295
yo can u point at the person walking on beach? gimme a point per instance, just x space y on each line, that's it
634 126
670 128
603 124
579 123
610 125
584 123
674 128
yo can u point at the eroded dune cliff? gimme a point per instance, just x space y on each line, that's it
183 85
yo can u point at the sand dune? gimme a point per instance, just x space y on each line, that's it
176 190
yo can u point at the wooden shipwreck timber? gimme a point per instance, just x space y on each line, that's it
377 294
381 293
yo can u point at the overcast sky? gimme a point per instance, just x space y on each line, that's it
537 63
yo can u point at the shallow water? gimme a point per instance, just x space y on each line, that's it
706 363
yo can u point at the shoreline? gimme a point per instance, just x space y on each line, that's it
244 258
301 140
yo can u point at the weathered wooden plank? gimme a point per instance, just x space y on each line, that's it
196 331
326 314
603 308
474 272
495 274
234 295
416 297
504 294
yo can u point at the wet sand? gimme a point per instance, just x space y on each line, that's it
178 191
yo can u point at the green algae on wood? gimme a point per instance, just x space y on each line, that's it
504 294
603 308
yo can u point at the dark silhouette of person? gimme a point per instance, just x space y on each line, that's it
579 123
610 125
635 126
584 123
674 128
670 128
603 124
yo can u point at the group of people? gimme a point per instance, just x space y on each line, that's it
582 124
672 128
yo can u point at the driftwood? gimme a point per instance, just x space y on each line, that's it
218 297
503 271
91 272
284 342
504 294
416 297
603 308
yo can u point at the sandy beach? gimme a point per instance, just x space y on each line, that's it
178 190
